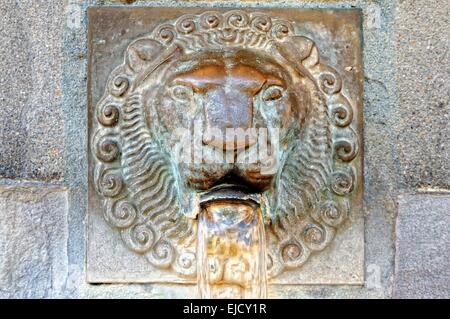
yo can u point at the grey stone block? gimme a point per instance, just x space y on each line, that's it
31 125
33 239
423 66
422 268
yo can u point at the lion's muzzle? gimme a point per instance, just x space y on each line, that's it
228 93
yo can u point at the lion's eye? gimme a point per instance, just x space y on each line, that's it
182 93
273 93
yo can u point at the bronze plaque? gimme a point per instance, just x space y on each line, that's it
228 139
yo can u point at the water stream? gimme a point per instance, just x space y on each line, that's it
231 250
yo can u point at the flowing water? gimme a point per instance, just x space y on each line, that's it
231 250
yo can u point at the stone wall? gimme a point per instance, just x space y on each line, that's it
43 150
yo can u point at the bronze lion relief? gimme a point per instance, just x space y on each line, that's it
225 103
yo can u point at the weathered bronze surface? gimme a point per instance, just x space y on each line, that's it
193 110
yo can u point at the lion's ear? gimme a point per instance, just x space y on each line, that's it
145 56
142 52
301 51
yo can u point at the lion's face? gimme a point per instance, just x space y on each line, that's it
233 106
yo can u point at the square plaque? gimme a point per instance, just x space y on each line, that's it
297 73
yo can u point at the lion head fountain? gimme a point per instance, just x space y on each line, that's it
167 152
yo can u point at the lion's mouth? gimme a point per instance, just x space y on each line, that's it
230 192
206 179
234 190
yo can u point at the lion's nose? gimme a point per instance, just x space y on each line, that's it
229 118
